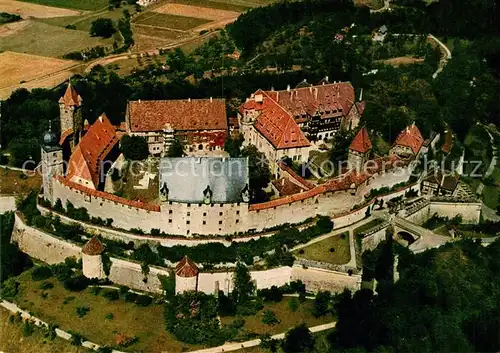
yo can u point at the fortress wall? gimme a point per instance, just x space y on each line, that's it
42 246
470 212
371 241
317 279
7 203
420 216
130 274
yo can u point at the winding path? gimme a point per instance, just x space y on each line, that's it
444 60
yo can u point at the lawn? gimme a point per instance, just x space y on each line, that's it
16 182
87 5
322 250
12 339
43 39
288 319
366 227
126 185
129 319
169 21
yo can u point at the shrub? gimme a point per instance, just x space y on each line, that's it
143 300
293 304
62 272
40 273
95 290
321 304
44 295
155 232
28 328
9 288
110 294
72 262
102 27
104 349
68 299
130 297
109 316
134 147
269 318
301 251
76 338
124 289
77 283
81 311
272 294
46 285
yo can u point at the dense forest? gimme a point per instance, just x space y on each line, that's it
447 300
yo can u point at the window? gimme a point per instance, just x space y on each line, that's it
220 213
220 222
237 212
221 205
188 222
189 214
237 221
189 205
170 211
204 214
204 222
199 205
169 221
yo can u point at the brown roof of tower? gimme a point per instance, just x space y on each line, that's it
93 247
410 137
71 97
186 268
361 142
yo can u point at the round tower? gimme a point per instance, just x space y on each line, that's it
186 276
92 259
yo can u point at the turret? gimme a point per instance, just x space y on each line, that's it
186 276
92 264
51 162
70 105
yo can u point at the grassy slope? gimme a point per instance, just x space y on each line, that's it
169 21
11 182
12 339
87 5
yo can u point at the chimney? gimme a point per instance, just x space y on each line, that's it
189 99
272 88
326 79
283 182
315 93
100 118
361 95
139 101
288 88
211 100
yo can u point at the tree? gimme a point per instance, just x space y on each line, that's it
258 166
134 147
233 145
298 340
102 27
176 149
243 286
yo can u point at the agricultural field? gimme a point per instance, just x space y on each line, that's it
16 68
26 9
333 250
196 12
39 38
87 5
157 19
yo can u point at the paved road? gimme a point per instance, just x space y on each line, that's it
228 347
427 239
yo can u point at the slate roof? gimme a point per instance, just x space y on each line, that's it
193 114
410 137
71 98
445 180
361 142
186 178
93 247
85 161
186 268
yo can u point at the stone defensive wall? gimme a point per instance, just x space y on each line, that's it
374 236
334 198
7 203
51 249
470 211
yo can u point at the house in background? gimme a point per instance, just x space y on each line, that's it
440 183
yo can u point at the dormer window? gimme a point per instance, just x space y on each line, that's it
207 195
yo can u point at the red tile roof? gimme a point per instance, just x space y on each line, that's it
285 187
410 137
278 126
93 247
71 98
195 114
186 268
107 196
361 142
306 184
310 100
345 182
85 161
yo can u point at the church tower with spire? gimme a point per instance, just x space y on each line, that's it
52 161
71 119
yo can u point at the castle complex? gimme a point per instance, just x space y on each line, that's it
207 193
